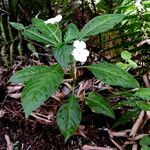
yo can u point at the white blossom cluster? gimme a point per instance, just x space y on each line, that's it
54 20
80 53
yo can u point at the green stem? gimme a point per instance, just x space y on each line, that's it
80 67
73 72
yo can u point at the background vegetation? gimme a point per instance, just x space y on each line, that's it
127 45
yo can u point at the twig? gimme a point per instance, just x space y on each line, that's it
137 124
9 143
116 144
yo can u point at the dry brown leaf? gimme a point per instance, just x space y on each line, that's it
45 118
116 144
81 87
16 95
14 88
137 124
9 143
148 115
135 147
58 95
56 98
129 143
87 147
143 42
2 112
146 81
118 134
81 131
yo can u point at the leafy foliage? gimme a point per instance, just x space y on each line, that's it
143 105
145 142
126 55
63 55
113 75
72 32
100 24
40 83
17 26
126 117
99 105
47 34
128 62
136 24
143 93
49 30
68 117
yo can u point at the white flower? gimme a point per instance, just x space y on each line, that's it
79 44
80 53
51 21
57 19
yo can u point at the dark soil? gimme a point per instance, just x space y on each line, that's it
34 134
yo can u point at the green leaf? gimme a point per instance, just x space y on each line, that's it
125 118
143 105
52 31
17 26
63 55
40 87
132 64
72 32
126 55
35 35
32 48
113 75
122 65
145 147
145 140
143 93
30 73
99 105
100 24
69 117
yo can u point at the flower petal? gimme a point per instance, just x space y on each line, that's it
51 21
86 52
82 44
76 43
79 44
80 54
58 18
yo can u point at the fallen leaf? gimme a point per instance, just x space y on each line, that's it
148 115
143 42
2 112
9 143
16 96
14 88
118 134
137 124
44 118
146 80
135 147
87 147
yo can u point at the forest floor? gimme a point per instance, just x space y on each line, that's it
40 132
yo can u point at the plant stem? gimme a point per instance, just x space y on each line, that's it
73 72
80 67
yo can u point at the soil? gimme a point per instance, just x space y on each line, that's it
32 134
36 134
